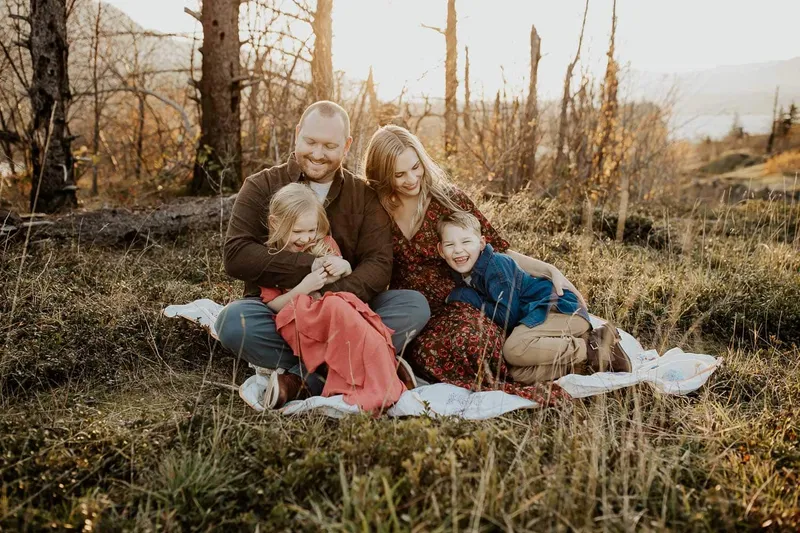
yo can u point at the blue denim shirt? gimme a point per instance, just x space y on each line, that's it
509 295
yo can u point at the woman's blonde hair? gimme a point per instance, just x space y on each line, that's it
384 148
287 205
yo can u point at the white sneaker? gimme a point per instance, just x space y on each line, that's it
258 390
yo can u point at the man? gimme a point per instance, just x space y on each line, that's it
360 227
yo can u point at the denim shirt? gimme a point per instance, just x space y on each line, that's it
509 295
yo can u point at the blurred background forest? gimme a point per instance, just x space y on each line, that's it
102 112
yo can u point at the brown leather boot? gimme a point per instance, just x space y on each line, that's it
284 388
598 347
620 362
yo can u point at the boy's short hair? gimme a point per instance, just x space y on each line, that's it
460 219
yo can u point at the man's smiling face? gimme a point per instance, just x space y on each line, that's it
321 146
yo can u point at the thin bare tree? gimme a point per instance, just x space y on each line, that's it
530 122
322 60
559 163
467 115
606 159
450 78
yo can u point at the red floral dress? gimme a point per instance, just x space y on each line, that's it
459 345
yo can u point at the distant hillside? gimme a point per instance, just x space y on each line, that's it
745 89
119 45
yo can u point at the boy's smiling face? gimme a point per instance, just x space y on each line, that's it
460 247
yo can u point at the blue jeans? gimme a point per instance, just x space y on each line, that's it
246 327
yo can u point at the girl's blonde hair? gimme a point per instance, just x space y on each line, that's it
384 148
286 206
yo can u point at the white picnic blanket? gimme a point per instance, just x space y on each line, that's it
675 372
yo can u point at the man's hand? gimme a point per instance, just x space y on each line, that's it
560 282
336 266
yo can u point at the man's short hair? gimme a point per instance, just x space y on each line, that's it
460 219
327 108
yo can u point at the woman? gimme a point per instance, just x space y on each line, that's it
459 345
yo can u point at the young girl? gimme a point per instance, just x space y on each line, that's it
336 328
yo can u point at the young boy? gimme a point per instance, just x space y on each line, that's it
549 335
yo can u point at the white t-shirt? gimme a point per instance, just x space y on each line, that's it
320 189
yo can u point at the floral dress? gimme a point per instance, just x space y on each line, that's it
459 345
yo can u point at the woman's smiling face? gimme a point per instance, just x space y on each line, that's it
408 174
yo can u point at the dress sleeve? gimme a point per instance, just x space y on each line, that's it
270 293
492 236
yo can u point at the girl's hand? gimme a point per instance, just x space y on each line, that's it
336 266
313 281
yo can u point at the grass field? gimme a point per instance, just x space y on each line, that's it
115 418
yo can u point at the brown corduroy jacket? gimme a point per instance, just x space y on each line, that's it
359 225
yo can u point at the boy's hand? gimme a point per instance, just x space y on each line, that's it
336 266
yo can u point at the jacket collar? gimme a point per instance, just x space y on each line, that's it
296 175
483 261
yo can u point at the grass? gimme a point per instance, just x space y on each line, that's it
113 417
787 163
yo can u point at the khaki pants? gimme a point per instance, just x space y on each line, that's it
552 349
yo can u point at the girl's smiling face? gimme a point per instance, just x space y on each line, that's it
303 233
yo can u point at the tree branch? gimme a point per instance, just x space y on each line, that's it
173 104
20 17
193 13
434 28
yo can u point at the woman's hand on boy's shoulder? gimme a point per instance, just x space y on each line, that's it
561 283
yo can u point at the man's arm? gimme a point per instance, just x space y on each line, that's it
246 257
373 270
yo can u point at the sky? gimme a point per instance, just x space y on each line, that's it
669 36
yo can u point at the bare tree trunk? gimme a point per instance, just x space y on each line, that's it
771 139
467 105
7 138
372 95
218 164
53 174
322 60
96 96
605 161
140 137
624 198
115 227
527 163
588 215
559 164
451 82
253 110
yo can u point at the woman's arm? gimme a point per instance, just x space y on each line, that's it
540 269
